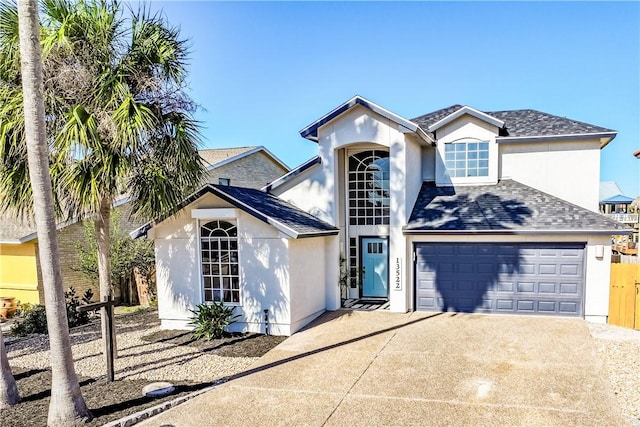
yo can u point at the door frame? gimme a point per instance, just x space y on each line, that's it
361 247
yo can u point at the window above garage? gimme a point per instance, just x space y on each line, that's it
467 159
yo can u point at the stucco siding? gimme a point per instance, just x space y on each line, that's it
308 282
263 257
569 170
18 275
309 192
253 171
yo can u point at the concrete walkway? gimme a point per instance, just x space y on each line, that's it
381 368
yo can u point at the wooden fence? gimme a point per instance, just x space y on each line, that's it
624 296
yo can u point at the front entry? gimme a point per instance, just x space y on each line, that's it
375 267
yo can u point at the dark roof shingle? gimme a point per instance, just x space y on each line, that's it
508 206
521 123
268 208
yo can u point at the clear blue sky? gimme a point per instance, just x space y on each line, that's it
263 71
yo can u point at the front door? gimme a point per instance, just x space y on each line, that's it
375 267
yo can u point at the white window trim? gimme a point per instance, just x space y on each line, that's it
467 141
201 221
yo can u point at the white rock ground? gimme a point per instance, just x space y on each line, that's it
619 347
137 359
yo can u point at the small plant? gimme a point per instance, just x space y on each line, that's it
211 320
34 321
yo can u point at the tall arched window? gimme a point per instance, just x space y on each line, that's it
369 188
219 246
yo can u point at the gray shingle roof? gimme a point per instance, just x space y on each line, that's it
520 123
14 230
507 207
274 211
266 207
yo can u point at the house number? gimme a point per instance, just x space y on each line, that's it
397 277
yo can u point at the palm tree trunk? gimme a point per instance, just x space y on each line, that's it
103 240
8 388
67 406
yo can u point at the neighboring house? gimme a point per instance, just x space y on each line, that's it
456 210
617 206
19 267
251 167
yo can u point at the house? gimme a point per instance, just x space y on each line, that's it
20 275
621 208
455 210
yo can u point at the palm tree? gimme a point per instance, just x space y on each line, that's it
67 405
116 108
8 389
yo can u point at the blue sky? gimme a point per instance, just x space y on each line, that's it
262 71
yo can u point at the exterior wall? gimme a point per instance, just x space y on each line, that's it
308 281
428 156
253 171
569 170
597 271
466 127
308 191
18 274
263 257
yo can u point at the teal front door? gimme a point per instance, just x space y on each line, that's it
375 263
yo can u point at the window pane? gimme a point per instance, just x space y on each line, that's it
450 164
208 295
472 146
216 295
473 155
472 164
484 146
460 164
473 172
460 147
449 148
206 269
483 155
483 172
483 163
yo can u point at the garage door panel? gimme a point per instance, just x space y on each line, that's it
526 278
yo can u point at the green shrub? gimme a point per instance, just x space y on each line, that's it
211 320
74 317
33 318
33 322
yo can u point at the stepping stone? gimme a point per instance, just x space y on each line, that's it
158 389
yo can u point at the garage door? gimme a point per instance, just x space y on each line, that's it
500 278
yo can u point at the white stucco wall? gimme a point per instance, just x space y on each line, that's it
264 270
597 271
308 282
464 128
569 170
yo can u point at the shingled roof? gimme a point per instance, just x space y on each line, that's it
522 123
290 220
508 207
12 230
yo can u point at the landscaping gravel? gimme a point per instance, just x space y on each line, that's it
146 354
620 349
156 359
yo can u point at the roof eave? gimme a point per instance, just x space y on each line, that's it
466 110
583 232
310 132
293 173
605 137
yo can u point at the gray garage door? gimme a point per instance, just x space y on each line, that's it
500 278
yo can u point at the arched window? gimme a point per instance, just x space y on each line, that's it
219 246
369 188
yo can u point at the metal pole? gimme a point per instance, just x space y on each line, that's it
109 339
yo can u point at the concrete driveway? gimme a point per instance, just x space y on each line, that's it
381 368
